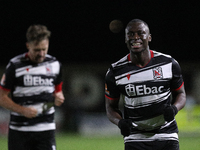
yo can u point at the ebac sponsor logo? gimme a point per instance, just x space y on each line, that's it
140 90
37 81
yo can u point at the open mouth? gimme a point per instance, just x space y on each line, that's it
136 45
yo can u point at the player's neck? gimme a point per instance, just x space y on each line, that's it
140 59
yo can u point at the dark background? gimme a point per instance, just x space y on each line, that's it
81 35
80 30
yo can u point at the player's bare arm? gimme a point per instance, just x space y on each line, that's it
59 98
112 110
179 98
178 102
7 103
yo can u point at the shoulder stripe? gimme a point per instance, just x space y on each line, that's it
42 69
121 62
156 54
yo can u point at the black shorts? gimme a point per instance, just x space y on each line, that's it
153 145
44 140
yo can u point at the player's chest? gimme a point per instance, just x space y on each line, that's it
145 81
42 75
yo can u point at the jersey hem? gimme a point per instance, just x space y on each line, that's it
111 98
5 89
178 88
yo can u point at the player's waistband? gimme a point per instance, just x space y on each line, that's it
151 137
35 128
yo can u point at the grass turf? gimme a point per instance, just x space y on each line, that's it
77 142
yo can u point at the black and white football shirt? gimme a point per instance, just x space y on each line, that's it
145 90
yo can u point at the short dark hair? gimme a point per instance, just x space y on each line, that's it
37 33
138 20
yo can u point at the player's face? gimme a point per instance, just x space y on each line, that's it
37 51
137 37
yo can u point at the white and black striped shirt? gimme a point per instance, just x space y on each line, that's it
33 85
144 91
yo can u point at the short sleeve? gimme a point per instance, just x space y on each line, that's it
111 90
177 78
8 78
59 77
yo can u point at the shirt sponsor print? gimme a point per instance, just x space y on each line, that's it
37 81
140 90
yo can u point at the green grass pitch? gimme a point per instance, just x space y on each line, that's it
77 142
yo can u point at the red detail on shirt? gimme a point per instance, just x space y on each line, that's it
152 55
128 76
58 87
26 55
5 89
156 73
111 98
129 57
178 88
48 69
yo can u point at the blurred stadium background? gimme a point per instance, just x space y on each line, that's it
83 117
82 41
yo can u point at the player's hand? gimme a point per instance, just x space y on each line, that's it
59 98
29 112
125 126
170 112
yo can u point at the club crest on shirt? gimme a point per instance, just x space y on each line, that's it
157 73
130 90
49 69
